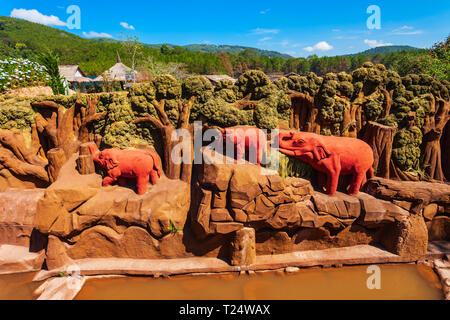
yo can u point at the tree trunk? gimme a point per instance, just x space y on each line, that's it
85 162
445 141
431 146
380 138
85 165
303 113
56 159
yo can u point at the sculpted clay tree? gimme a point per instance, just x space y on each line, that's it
167 128
21 160
61 131
302 92
433 128
380 138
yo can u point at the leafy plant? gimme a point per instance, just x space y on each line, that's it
51 61
173 228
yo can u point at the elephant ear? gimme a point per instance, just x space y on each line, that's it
320 152
112 163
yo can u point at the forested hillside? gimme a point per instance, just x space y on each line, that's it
23 39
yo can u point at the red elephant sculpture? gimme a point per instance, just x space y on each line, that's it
121 165
331 155
252 140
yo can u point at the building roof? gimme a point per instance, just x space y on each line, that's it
216 78
116 72
73 73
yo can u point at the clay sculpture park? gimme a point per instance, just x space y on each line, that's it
303 172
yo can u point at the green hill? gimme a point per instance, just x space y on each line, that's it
20 38
386 49
210 48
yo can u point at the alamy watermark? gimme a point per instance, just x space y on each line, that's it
227 146
374 280
74 20
374 21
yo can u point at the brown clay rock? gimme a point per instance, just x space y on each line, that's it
406 238
214 173
17 215
200 221
276 183
219 199
439 229
273 242
430 211
244 184
221 215
307 214
376 212
340 206
103 242
77 202
420 194
264 209
225 227
243 247
286 216
239 215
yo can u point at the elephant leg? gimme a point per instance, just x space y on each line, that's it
356 183
142 184
154 177
108 181
334 170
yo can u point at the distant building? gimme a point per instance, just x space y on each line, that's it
215 79
74 74
116 72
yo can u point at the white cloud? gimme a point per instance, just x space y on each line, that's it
127 26
265 39
265 31
264 11
336 30
93 34
35 16
320 46
406 31
376 43
291 53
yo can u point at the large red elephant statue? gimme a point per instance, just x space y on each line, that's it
331 155
121 165
242 139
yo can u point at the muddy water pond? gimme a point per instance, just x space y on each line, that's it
409 282
18 286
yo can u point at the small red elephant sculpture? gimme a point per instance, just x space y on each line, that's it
121 165
252 140
331 155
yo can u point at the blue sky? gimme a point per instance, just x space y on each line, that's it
299 28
